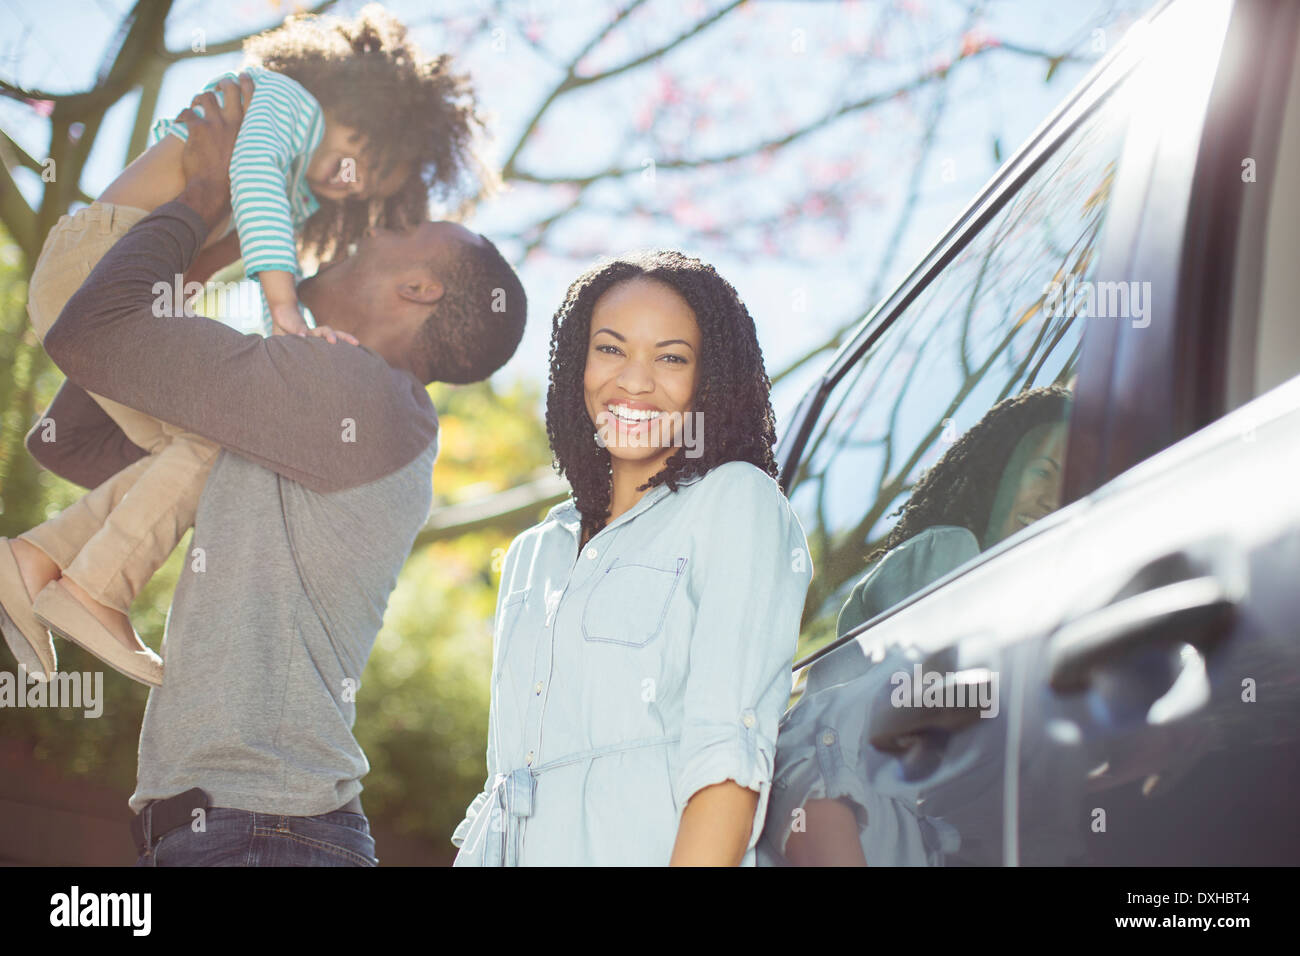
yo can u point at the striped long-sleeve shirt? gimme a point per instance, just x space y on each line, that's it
269 196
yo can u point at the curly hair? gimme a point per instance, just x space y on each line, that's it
409 108
960 488
732 393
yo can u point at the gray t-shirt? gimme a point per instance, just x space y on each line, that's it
265 647
310 510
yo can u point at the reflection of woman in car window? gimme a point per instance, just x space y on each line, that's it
645 629
1000 476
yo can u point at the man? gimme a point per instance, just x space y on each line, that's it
307 516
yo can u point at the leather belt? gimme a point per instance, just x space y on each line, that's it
178 811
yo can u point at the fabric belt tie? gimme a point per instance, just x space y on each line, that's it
512 801
519 793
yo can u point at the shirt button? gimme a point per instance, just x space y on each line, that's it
591 554
529 759
748 720
828 738
537 688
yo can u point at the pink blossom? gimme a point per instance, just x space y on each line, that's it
669 91
975 40
645 117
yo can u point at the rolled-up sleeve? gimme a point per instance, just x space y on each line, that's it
824 748
812 766
749 593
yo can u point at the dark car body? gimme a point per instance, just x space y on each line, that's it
1140 642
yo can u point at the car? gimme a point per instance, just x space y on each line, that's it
1051 488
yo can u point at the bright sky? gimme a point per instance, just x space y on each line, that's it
812 224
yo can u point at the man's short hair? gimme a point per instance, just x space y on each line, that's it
476 325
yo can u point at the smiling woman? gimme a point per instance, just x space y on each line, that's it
645 629
634 380
680 323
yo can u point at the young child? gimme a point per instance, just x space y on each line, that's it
348 126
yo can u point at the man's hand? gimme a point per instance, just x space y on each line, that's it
209 145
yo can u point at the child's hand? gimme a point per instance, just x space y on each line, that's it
330 335
287 320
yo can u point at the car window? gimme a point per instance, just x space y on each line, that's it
948 435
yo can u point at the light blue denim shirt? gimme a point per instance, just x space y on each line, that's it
629 676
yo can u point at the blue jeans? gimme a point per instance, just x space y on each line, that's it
243 838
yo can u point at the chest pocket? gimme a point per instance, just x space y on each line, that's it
628 604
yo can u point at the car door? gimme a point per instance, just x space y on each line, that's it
1161 723
911 727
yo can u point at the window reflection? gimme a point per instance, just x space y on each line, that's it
1004 317
1000 476
946 438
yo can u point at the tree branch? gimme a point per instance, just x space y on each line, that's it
515 507
508 168
233 45
876 99
17 216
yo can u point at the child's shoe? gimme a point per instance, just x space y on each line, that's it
64 615
27 638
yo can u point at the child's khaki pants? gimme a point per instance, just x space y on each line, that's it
113 539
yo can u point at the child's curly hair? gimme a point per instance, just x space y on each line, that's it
411 109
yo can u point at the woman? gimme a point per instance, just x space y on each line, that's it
645 629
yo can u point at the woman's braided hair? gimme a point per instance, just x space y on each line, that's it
732 395
410 109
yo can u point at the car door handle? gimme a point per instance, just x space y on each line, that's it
1196 611
896 728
